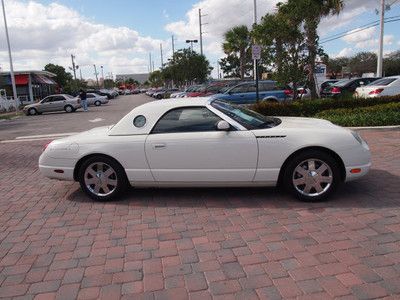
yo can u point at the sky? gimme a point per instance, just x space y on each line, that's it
120 34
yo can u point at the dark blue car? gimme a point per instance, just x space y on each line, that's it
245 93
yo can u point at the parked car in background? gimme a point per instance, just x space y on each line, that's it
164 93
53 103
346 87
100 92
245 93
389 86
327 84
96 99
111 94
183 94
206 90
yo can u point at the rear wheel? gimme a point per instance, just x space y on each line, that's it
102 178
69 109
312 175
97 103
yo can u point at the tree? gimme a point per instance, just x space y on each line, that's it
62 77
283 45
237 42
313 11
156 78
391 64
186 66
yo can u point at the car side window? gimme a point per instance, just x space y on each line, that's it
188 119
90 96
47 99
240 89
267 86
58 98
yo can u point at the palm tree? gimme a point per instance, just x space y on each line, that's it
237 41
314 11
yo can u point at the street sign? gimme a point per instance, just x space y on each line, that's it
256 52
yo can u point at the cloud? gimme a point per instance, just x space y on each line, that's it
345 52
50 33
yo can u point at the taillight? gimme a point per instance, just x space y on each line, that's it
46 145
376 92
288 92
336 90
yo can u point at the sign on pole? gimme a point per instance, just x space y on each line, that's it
256 52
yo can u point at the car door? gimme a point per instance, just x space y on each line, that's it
46 104
90 99
58 103
185 146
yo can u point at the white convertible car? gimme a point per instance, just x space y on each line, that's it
199 142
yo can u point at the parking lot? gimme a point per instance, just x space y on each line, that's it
250 243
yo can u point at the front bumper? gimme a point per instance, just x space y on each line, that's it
364 169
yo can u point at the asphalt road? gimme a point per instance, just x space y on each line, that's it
58 123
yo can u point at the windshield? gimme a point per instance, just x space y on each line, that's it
341 82
245 117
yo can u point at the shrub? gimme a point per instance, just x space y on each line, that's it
377 115
309 108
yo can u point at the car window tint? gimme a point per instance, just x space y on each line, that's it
90 96
189 119
47 100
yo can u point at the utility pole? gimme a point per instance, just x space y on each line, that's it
255 23
80 73
173 45
150 63
201 33
73 65
162 58
379 71
95 73
14 86
218 70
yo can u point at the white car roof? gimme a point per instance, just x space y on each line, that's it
152 111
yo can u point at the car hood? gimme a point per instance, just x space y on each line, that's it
32 105
299 123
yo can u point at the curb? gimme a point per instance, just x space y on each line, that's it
375 128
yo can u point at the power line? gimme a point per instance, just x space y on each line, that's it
359 27
350 32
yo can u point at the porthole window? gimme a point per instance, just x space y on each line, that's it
139 121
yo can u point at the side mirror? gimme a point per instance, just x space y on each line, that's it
223 126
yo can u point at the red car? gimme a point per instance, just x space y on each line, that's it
207 90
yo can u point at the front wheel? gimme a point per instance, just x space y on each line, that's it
102 178
69 109
97 103
312 175
32 112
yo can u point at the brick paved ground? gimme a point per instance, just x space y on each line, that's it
199 243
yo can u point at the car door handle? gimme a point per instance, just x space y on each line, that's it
159 146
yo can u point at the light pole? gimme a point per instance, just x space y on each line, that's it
14 86
97 78
102 75
191 43
255 23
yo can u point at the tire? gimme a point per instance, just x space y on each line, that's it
312 176
93 178
159 97
69 109
32 111
97 103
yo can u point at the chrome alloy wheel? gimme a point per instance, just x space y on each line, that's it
100 179
312 177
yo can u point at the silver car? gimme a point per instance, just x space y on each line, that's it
95 99
52 103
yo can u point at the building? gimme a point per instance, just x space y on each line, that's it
141 78
31 85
